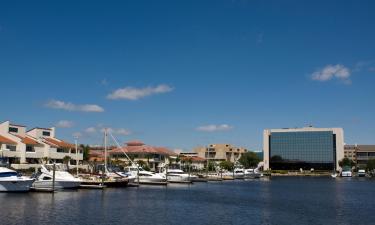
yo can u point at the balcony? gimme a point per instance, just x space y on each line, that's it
365 157
10 154
35 155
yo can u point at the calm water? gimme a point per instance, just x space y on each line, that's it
277 201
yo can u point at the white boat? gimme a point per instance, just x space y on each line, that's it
10 181
361 173
177 175
239 173
346 174
145 177
114 172
252 174
63 179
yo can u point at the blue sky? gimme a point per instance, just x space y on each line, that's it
187 73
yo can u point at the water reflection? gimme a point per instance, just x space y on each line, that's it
276 201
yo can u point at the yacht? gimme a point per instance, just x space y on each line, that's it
177 175
239 173
251 174
10 181
346 174
361 173
63 179
145 177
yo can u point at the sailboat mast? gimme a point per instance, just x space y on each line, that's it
76 142
105 149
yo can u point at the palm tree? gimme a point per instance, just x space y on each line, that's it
45 160
66 160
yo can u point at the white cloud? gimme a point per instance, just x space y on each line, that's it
329 72
214 128
90 130
131 93
364 66
100 128
119 131
123 131
68 106
77 134
64 124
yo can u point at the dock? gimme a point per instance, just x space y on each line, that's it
91 186
42 190
181 182
200 180
214 179
153 183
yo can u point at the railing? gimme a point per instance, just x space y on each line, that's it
365 157
37 155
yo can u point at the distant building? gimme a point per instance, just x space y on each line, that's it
306 148
220 152
137 151
197 163
360 154
350 152
25 149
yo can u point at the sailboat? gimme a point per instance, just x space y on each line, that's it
110 176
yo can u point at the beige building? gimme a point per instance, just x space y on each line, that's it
220 152
364 154
350 152
26 149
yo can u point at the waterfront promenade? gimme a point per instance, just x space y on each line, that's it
279 200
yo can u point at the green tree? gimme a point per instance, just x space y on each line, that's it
249 159
226 165
211 166
370 165
45 160
66 160
345 162
85 151
141 163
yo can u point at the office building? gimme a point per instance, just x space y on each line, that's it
306 148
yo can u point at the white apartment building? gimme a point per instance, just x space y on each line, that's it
27 149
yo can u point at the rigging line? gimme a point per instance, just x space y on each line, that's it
119 146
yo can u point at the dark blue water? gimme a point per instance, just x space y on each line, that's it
283 200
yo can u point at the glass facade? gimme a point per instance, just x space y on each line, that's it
308 149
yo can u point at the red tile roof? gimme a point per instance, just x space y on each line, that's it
7 140
193 158
138 147
27 140
58 143
135 143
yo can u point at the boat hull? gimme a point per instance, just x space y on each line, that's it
252 176
173 178
58 184
15 186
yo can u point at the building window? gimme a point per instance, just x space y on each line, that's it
30 148
46 133
61 150
13 129
12 148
